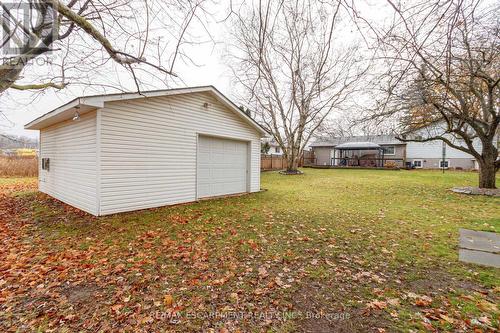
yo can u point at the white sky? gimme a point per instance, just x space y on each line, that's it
211 69
21 109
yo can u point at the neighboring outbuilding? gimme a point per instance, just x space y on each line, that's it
113 153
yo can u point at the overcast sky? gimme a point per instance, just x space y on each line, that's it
209 68
21 109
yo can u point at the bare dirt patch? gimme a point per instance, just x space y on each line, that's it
435 281
320 311
83 293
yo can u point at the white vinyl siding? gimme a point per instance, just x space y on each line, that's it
71 148
434 149
148 148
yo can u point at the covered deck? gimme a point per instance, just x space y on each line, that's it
362 155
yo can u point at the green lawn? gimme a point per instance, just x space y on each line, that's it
330 250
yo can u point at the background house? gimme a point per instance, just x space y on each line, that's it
274 147
324 149
113 153
427 155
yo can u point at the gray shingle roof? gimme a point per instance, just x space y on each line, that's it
378 139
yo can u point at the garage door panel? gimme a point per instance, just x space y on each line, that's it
217 157
222 166
203 157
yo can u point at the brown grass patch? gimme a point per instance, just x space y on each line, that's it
20 166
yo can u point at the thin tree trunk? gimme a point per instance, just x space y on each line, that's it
487 174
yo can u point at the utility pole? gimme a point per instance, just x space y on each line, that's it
444 156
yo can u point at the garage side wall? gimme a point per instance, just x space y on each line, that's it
148 149
72 175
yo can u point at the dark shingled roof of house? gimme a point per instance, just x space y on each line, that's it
378 139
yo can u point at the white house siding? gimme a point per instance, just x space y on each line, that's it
148 149
71 148
431 154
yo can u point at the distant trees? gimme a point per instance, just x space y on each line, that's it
8 141
443 74
293 68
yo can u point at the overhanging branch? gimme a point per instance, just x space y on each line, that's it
39 86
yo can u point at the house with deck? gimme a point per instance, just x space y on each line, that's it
388 151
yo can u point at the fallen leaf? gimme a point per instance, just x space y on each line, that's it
429 326
258 291
393 301
423 301
487 306
329 263
412 295
168 300
484 320
379 305
446 318
263 272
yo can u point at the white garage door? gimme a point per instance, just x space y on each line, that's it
222 166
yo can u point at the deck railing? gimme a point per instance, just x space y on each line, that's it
367 162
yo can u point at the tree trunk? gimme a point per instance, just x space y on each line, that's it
292 162
487 173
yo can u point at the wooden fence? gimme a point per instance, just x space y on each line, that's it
278 162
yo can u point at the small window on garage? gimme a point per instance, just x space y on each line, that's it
277 150
46 163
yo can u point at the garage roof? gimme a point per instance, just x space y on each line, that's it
89 103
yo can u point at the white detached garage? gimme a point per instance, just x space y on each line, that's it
114 153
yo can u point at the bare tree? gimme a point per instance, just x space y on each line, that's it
443 74
293 68
83 36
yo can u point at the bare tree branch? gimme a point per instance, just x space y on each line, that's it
444 60
293 68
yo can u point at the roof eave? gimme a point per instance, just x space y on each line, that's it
86 104
245 117
82 105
